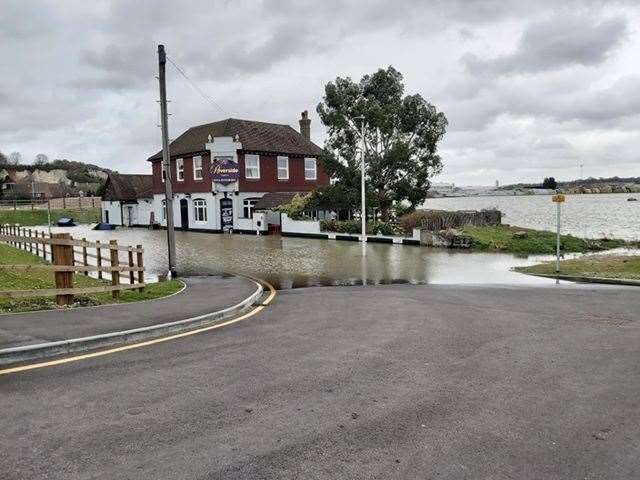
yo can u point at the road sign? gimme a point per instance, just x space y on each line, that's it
558 198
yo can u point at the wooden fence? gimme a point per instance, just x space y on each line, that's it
72 203
66 256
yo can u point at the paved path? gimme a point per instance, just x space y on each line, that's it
202 295
394 382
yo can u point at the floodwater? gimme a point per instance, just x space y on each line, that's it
589 216
289 262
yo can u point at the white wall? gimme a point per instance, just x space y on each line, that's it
299 226
114 212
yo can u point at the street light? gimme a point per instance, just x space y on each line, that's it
363 210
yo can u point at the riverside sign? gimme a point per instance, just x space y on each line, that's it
224 170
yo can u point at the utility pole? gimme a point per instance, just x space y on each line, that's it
363 209
166 166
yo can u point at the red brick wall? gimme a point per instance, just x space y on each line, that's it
268 181
188 185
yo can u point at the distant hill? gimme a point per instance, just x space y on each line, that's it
64 177
586 182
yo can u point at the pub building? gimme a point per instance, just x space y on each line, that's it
221 170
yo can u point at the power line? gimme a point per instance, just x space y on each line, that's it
196 88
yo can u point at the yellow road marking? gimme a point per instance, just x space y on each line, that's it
100 353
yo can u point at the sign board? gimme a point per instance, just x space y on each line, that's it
224 170
558 198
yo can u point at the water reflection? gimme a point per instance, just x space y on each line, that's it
289 262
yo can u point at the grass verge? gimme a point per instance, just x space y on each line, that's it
506 238
27 218
34 280
593 266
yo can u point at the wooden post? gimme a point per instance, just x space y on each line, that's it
115 262
63 256
30 243
99 258
37 244
84 255
132 278
64 203
140 265
19 234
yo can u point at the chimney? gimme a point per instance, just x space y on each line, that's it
305 125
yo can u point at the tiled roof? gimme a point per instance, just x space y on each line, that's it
128 187
254 136
275 199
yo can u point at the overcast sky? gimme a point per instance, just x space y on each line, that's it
530 88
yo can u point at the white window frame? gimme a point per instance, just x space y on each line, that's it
163 207
197 160
163 173
180 169
315 169
285 168
200 205
249 203
250 169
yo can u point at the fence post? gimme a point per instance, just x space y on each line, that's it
63 256
30 243
84 256
37 244
132 277
19 235
115 263
64 202
99 258
140 266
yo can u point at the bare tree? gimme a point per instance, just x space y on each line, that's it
41 159
14 158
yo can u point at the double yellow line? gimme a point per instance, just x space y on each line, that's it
101 353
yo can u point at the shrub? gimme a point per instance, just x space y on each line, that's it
382 228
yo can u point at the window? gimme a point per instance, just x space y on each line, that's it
247 207
283 168
310 172
200 210
164 210
197 168
252 166
180 169
164 173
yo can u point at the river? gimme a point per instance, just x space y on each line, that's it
589 216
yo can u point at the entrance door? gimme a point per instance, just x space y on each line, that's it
226 214
129 216
184 213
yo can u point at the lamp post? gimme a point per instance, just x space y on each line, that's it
363 202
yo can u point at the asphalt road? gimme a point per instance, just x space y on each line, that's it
353 382
203 295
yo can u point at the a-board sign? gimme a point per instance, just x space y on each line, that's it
558 198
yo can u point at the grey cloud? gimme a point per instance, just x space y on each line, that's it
554 44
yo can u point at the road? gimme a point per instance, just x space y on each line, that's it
386 382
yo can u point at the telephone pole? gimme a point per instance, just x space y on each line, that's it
166 166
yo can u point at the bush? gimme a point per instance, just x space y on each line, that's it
347 226
382 228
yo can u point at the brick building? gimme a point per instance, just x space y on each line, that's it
220 171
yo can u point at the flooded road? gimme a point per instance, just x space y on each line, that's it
289 262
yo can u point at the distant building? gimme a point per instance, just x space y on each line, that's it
128 200
442 189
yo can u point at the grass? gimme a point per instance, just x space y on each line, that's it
506 238
34 280
602 266
39 217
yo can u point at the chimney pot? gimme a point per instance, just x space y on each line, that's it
305 125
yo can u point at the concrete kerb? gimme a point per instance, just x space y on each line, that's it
74 345
578 279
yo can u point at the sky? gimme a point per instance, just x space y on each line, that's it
530 88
